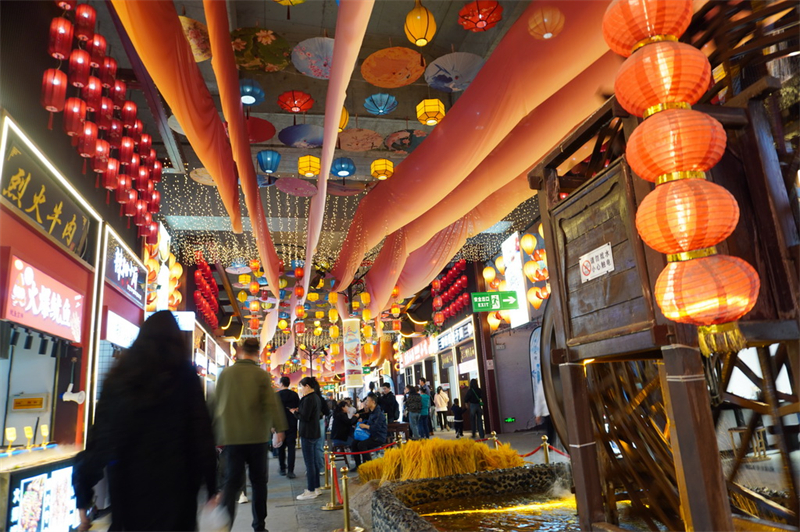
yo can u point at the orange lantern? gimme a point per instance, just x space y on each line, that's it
529 269
300 311
493 320
368 349
545 23
686 215
299 291
395 291
254 265
254 306
334 349
527 243
396 325
333 315
663 75
438 318
502 286
500 264
506 315
489 274
395 309
627 23
254 288
494 284
254 324
534 297
676 140
299 273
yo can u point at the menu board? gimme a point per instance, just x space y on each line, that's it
41 499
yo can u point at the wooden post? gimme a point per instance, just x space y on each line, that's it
701 485
582 445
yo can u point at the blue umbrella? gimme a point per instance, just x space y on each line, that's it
302 136
453 72
380 104
312 57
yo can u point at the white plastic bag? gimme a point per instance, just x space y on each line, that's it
276 444
213 518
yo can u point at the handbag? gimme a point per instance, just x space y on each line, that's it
361 434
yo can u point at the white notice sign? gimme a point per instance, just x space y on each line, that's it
596 263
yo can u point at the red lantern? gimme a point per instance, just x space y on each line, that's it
397 325
141 210
79 67
155 202
436 284
104 114
128 114
101 151
87 140
254 323
60 44
150 159
126 152
118 94
438 318
133 166
145 143
66 5
91 93
136 130
254 287
131 204
464 281
437 302
295 101
152 238
676 140
299 273
123 186
85 17
108 72
54 92
300 327
141 178
462 264
155 172
97 50
627 23
110 175
662 75
198 297
480 15
144 226
115 133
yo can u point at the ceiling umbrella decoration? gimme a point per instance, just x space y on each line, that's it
258 129
349 189
197 34
420 25
480 15
360 140
265 180
312 57
302 136
174 125
260 49
201 175
296 187
393 67
238 267
380 104
405 141
453 72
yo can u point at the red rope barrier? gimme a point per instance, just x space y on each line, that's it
532 452
483 440
336 483
559 452
366 452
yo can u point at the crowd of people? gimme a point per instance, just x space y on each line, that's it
158 441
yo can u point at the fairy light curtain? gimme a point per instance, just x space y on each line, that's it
157 35
508 86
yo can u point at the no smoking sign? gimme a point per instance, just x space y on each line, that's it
596 263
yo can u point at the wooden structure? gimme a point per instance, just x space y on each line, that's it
626 387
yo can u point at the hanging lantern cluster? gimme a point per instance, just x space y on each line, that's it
206 293
420 26
685 216
535 269
430 112
450 288
382 169
481 15
104 125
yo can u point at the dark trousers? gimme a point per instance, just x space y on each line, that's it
476 418
310 459
365 445
254 455
458 424
289 448
442 417
424 426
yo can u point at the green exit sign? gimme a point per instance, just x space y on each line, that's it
493 301
510 420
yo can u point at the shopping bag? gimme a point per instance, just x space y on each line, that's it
211 516
361 434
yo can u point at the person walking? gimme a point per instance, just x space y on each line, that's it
287 452
152 434
458 418
388 403
424 416
414 408
425 389
475 400
441 401
309 413
246 411
375 424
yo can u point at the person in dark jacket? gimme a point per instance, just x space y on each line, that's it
342 426
153 434
414 408
378 430
309 413
290 400
458 418
388 403
474 399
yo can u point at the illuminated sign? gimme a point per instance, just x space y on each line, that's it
509 420
39 301
351 340
120 331
42 499
30 403
34 193
124 271
446 359
455 335
515 279
185 319
418 352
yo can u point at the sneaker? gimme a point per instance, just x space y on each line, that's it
318 491
291 474
307 495
243 499
322 473
282 472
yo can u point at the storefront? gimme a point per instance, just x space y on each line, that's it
210 357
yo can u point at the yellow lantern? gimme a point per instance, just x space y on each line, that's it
356 305
367 331
244 279
266 306
430 112
312 296
365 298
282 324
395 310
541 231
333 297
308 165
366 314
493 320
368 349
241 296
317 331
344 119
317 323
530 270
282 282
545 23
382 169
319 314
333 331
420 25
254 306
533 297
489 274
334 349
506 315
333 315
503 286
500 264
527 243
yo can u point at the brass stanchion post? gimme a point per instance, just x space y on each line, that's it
546 449
331 470
494 439
328 457
398 440
346 500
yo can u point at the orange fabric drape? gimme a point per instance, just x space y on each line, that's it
227 76
157 35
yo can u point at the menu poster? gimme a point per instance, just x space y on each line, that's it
42 500
353 370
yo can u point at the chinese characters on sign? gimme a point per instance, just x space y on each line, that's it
454 335
492 301
44 502
30 189
124 272
39 301
596 263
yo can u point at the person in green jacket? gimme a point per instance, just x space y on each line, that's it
246 410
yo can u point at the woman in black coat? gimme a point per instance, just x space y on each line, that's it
309 413
152 432
474 399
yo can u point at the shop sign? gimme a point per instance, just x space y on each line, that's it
454 335
34 192
596 263
39 301
30 403
493 301
124 271
446 359
120 331
515 279
41 498
351 341
466 353
418 352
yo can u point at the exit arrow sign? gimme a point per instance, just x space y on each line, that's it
493 301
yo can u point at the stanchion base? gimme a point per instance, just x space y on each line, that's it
330 506
324 487
353 529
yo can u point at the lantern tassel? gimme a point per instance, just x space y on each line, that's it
84 166
50 122
722 338
96 179
108 194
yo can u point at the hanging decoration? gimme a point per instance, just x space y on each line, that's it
481 15
312 57
453 72
420 25
344 119
382 169
260 49
268 161
380 104
391 68
430 112
685 216
546 23
251 92
343 167
295 101
197 35
308 165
